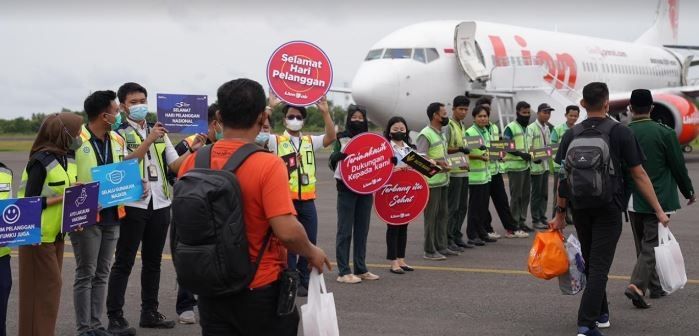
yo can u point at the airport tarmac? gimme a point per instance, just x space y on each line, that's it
484 291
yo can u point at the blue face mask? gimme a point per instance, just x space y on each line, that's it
138 112
262 138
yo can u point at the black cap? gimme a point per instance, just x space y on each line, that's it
641 98
545 107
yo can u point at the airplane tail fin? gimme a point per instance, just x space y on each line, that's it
664 29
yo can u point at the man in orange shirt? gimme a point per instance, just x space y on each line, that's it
267 204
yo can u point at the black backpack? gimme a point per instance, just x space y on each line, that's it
590 170
207 236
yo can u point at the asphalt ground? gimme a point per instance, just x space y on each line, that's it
484 291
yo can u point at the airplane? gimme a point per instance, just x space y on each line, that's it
438 60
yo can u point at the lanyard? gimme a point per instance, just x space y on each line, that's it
299 165
141 138
543 135
102 158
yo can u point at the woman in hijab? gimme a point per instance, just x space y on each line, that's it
48 173
353 210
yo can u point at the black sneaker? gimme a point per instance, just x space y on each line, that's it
155 320
101 332
461 243
476 242
118 326
526 228
489 240
541 226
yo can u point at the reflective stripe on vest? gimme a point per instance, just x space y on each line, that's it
307 166
133 140
536 139
512 162
479 172
437 151
5 193
57 179
456 141
559 130
496 167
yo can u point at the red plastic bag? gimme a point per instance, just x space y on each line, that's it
548 258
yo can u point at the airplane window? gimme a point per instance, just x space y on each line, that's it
432 54
398 53
374 54
419 55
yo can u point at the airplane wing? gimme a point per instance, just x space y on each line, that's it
341 90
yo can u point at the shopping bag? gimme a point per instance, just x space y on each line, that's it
318 315
669 262
573 281
547 257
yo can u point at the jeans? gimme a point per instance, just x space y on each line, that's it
148 227
94 248
598 230
478 211
248 313
457 205
185 300
396 240
307 215
5 287
436 220
353 214
499 197
645 236
520 188
540 197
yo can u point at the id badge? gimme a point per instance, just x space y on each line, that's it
304 180
152 173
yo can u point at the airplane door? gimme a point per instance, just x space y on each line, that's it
468 53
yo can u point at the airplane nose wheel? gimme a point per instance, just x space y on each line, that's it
687 149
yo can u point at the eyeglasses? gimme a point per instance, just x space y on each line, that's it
292 117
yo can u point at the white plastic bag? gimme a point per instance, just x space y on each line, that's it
573 281
319 316
669 262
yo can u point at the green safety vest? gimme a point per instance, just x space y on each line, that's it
133 140
5 193
515 163
437 151
479 170
496 167
556 137
536 140
306 166
56 181
456 141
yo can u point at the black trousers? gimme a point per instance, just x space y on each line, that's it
645 237
249 313
478 202
502 205
396 240
148 229
185 300
598 230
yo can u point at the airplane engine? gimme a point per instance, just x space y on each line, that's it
679 113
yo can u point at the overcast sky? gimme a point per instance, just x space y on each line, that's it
55 52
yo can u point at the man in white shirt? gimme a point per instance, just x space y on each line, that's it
146 221
539 136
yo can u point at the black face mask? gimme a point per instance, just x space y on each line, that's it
523 120
445 121
398 136
355 127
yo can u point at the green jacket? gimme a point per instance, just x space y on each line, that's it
664 165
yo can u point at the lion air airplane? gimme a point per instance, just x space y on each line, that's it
438 60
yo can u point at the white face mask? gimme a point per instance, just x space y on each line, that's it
294 125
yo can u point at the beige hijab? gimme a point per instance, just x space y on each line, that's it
56 133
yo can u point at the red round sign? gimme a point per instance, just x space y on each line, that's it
367 166
403 198
299 73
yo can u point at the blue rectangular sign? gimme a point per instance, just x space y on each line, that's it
180 113
80 206
120 183
21 221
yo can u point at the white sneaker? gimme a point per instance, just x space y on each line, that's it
521 234
494 235
349 279
188 317
369 276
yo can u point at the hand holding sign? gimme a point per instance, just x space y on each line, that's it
367 166
181 113
80 207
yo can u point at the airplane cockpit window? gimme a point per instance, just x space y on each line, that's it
374 54
419 55
432 54
398 53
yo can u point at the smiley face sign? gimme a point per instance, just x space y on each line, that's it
20 223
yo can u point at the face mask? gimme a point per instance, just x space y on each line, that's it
294 125
356 127
138 112
262 138
445 121
117 122
75 143
398 136
218 134
523 120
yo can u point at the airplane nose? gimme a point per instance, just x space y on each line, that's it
376 86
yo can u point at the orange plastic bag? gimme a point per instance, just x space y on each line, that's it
548 258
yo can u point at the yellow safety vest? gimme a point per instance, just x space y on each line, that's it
559 131
306 166
515 163
479 170
437 151
86 158
536 140
5 193
57 180
456 141
496 167
133 140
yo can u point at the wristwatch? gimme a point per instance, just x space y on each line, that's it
560 209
